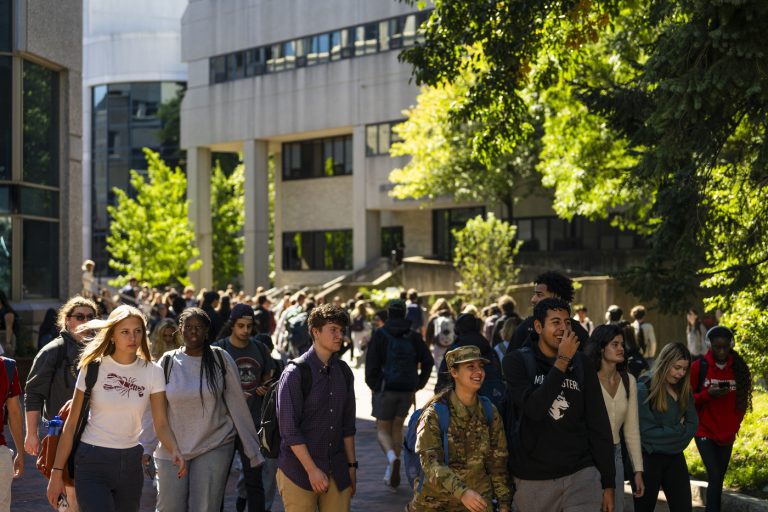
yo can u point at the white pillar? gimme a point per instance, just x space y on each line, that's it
199 195
365 223
256 250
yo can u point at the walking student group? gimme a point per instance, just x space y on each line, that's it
541 414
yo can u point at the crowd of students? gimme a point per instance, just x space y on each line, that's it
546 413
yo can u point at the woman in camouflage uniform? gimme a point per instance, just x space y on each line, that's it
476 473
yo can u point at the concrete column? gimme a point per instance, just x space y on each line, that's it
365 223
256 250
199 195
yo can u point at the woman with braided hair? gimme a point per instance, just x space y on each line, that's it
722 391
206 411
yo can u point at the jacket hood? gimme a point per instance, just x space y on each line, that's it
476 339
466 324
398 326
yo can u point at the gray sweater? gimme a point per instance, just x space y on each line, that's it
200 427
51 380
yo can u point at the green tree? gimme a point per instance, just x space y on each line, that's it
655 115
150 235
228 205
484 257
444 160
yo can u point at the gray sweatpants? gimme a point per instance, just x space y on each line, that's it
578 492
108 479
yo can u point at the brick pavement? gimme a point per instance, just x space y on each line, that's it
372 495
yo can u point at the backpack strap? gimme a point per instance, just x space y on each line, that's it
625 380
10 370
529 361
703 368
223 367
305 372
487 408
443 420
61 349
167 363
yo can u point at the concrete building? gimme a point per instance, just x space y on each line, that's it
40 152
131 65
314 89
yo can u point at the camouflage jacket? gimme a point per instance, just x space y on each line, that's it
477 457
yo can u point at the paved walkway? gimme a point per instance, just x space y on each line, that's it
372 495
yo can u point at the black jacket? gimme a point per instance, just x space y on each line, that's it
52 379
262 320
565 426
377 352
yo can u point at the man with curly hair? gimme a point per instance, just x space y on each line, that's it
317 467
549 285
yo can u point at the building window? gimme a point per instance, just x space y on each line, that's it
392 239
41 259
5 251
41 123
317 250
5 118
365 39
443 224
554 234
6 34
317 158
380 137
124 121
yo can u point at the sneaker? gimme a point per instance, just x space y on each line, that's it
388 475
395 475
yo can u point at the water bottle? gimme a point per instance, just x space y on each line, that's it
55 426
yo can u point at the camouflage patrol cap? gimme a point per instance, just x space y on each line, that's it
463 355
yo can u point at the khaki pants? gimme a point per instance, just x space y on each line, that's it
298 499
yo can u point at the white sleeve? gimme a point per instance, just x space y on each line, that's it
156 379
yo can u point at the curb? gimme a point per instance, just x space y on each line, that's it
732 501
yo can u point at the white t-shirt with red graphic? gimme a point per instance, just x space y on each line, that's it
118 401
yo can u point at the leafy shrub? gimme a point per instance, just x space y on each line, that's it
749 462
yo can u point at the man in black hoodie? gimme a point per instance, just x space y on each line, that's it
564 458
397 364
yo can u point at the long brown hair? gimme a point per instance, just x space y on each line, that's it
101 344
657 395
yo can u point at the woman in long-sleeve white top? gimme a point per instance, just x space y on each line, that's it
606 347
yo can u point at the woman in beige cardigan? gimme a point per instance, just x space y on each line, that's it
606 347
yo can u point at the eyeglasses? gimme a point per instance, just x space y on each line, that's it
81 317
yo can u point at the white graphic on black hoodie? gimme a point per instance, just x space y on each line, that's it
557 411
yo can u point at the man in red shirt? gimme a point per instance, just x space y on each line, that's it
11 466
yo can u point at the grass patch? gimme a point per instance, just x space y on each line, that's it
749 462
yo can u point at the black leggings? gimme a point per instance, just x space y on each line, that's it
716 458
670 472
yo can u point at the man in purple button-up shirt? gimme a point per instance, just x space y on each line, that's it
317 465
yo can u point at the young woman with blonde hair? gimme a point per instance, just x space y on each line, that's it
668 421
108 458
165 336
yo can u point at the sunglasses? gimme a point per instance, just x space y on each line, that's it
82 318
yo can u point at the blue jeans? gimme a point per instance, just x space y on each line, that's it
618 502
201 489
268 474
108 479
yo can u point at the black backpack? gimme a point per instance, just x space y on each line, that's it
641 337
400 369
298 333
269 429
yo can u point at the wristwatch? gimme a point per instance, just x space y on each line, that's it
353 464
